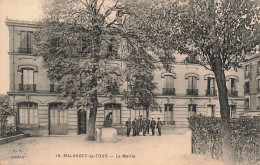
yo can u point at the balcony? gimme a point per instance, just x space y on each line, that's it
233 93
168 91
211 92
25 50
193 92
27 87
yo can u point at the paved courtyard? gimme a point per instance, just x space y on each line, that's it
170 148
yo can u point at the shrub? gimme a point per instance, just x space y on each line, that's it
245 137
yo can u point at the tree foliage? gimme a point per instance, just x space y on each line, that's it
5 112
80 42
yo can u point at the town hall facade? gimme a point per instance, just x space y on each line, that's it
188 90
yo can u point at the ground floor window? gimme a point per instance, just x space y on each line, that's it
139 110
58 115
28 113
211 110
192 110
168 113
233 110
113 113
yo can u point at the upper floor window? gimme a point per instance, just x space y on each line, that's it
247 71
25 42
232 87
192 86
27 80
247 87
112 49
258 68
168 85
211 87
258 84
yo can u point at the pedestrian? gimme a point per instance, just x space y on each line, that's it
144 124
141 123
128 127
148 125
134 127
153 124
138 124
159 126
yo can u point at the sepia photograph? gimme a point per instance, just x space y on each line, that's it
130 82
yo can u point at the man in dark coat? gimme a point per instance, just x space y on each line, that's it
144 124
138 125
148 125
141 123
128 127
159 126
134 123
153 124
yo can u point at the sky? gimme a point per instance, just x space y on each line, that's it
27 10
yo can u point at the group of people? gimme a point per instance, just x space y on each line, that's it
143 125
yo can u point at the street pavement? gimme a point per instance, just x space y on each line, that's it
172 148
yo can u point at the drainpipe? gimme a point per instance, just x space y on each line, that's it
15 117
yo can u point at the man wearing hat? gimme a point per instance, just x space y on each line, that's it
153 124
134 126
128 127
159 126
144 124
148 125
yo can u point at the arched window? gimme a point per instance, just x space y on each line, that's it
28 113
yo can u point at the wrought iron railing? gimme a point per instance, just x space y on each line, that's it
168 122
192 91
27 87
211 92
233 93
25 50
168 91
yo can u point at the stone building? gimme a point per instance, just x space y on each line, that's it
252 84
189 90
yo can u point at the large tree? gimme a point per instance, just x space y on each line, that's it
220 34
78 39
217 34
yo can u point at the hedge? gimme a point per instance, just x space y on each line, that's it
245 138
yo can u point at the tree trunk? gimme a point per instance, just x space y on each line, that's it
228 155
92 118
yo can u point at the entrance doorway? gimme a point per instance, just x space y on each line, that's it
82 122
58 119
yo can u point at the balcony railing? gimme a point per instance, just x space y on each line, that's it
27 87
25 50
168 122
211 92
233 93
168 91
192 91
